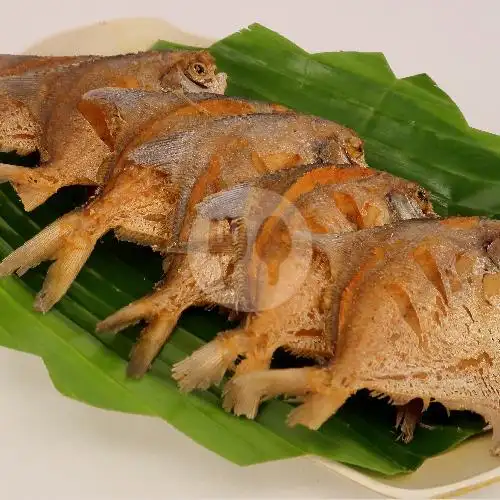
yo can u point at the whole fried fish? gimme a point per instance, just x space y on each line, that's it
139 200
38 111
200 162
292 294
419 319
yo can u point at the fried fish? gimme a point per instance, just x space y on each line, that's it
39 111
418 319
200 162
326 199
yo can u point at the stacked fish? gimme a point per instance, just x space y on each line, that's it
271 214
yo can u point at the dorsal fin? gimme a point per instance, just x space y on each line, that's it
195 142
165 151
112 110
11 65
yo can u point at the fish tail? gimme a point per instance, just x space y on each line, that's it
32 196
66 244
207 365
31 185
244 393
150 343
161 311
11 173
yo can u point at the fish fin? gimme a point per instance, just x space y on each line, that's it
243 394
150 343
161 310
328 243
112 111
407 418
11 65
30 184
228 204
207 365
33 196
11 173
171 150
139 310
65 244
318 408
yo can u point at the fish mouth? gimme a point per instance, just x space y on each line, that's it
216 85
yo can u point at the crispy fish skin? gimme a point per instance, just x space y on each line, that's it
326 200
18 64
200 162
138 201
19 129
419 319
39 111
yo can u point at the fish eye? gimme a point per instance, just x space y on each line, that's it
199 68
355 145
422 195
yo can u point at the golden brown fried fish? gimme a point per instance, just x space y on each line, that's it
292 299
38 111
419 318
200 162
139 198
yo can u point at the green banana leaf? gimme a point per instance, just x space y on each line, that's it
411 128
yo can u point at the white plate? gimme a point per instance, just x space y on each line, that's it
459 471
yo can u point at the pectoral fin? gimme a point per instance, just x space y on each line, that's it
228 204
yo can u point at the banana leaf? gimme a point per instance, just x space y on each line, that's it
411 128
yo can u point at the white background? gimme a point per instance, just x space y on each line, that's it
54 448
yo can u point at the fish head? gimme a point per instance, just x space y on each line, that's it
194 71
344 147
